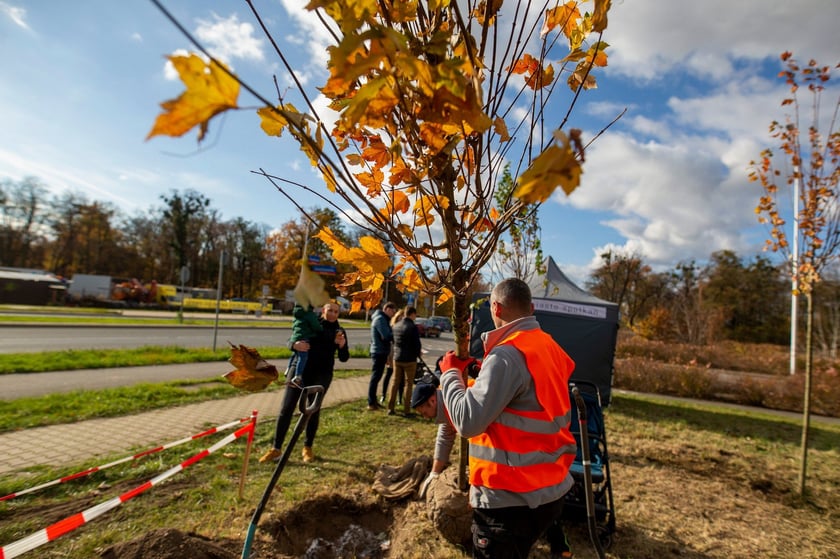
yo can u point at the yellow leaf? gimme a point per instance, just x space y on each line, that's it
425 207
405 230
445 295
370 258
210 91
274 119
329 177
556 166
566 17
411 280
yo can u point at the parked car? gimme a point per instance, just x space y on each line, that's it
442 322
427 328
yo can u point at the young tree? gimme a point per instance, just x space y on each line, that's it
519 253
434 98
811 165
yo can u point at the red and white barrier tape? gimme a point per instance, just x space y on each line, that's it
70 523
65 479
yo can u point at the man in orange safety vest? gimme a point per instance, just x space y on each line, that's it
516 416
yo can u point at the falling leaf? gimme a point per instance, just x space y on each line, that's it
599 16
501 129
252 373
210 91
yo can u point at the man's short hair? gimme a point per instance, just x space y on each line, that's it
514 294
410 311
389 305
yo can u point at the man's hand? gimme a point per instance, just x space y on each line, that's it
451 362
425 485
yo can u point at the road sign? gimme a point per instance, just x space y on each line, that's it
324 269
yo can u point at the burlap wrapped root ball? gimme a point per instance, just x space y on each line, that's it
449 508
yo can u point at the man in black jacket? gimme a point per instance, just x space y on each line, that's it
319 368
406 351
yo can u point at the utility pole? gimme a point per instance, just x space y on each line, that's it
218 297
794 295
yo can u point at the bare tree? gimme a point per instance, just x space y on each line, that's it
811 165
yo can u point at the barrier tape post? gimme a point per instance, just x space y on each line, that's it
247 458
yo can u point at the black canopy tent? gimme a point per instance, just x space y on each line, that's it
583 324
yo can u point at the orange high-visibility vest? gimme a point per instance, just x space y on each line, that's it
524 451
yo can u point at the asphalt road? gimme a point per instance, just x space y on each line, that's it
35 338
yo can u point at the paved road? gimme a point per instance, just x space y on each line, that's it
35 337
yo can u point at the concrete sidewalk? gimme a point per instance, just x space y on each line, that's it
123 436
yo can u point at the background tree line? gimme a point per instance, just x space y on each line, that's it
729 297
69 234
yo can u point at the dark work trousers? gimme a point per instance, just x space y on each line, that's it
509 533
291 397
376 370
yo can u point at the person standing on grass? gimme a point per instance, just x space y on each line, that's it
406 351
381 338
322 348
389 365
516 416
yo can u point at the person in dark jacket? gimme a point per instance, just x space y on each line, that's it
380 348
319 368
406 351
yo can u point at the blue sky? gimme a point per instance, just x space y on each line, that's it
81 83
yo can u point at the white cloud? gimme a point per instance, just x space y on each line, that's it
228 39
649 38
15 13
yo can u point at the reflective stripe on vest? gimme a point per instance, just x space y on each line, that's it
524 451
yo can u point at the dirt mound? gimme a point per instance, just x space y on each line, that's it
449 508
170 544
332 526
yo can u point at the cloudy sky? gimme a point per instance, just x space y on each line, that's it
81 83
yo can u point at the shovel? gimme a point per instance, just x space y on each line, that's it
306 410
587 471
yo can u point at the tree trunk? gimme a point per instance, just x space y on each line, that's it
806 405
461 329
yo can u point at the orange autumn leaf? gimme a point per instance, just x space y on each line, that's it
372 181
400 202
210 91
556 166
401 173
252 373
536 77
377 152
565 17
